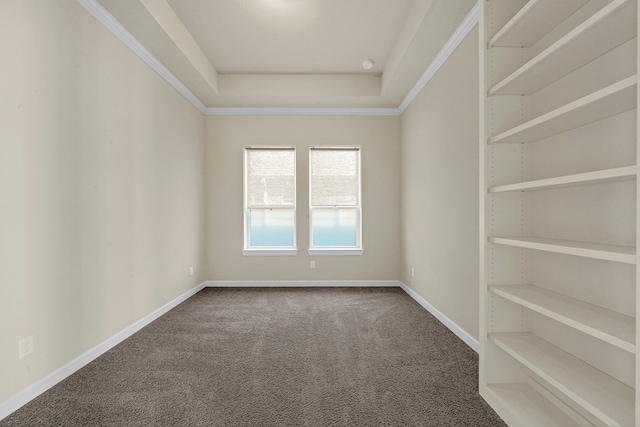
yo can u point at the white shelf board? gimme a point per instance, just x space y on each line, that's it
533 21
613 25
528 407
623 254
596 177
609 101
604 397
612 327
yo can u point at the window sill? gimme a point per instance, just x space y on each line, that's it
336 251
269 252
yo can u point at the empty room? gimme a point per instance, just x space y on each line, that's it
319 212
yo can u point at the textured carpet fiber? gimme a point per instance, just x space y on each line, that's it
276 357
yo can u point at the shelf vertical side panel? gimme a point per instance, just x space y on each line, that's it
637 365
482 185
504 264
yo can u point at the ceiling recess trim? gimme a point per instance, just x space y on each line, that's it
301 111
95 9
454 41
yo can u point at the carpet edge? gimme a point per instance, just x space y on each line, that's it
32 391
450 324
302 283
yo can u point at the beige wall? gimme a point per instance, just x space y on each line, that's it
379 137
101 211
440 189
112 185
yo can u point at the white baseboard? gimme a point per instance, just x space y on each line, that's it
23 397
301 283
453 327
34 390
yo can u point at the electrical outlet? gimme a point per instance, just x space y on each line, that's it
312 264
190 271
25 347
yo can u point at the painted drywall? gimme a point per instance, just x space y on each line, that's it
440 189
101 183
379 138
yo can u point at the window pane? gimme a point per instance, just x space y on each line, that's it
334 227
335 177
271 178
271 227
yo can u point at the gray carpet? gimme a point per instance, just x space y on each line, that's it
276 357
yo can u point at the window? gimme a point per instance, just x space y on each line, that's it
270 201
334 195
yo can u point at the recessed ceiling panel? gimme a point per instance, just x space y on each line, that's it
292 53
294 36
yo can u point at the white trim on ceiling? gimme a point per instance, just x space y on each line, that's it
103 16
95 9
456 38
300 111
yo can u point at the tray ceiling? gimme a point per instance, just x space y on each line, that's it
293 53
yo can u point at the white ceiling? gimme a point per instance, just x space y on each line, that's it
293 53
294 36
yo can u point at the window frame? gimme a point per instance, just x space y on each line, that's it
268 250
337 250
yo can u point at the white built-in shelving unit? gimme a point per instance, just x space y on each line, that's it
559 211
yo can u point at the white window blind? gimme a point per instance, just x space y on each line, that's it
270 178
335 177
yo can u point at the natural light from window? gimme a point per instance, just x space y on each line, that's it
335 210
270 198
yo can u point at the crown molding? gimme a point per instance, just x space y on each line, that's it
103 16
449 47
95 9
173 27
301 111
